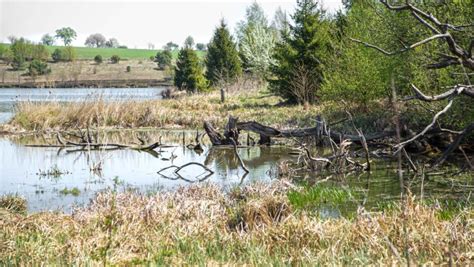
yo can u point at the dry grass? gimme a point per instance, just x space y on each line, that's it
85 70
13 203
185 112
255 225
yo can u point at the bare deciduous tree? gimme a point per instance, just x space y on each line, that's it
458 55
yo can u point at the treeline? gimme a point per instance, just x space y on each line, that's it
310 56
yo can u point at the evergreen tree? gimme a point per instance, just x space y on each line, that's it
189 72
298 72
222 59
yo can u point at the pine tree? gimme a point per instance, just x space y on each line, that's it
222 61
298 72
189 74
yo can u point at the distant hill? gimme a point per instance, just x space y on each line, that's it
123 53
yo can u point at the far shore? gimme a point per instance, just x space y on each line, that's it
88 74
121 83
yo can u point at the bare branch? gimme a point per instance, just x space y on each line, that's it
427 40
457 90
400 146
455 144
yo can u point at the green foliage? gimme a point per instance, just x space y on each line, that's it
73 191
361 74
189 42
164 59
170 46
316 196
39 52
47 39
64 54
189 72
18 62
222 61
300 55
200 46
115 59
129 69
98 59
67 34
38 67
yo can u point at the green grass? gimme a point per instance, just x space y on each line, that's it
106 53
315 196
74 191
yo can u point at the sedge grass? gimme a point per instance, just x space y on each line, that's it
186 112
201 225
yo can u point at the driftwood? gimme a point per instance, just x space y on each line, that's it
234 127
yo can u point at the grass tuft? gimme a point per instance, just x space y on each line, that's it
13 203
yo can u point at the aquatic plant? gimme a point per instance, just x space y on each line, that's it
73 191
53 172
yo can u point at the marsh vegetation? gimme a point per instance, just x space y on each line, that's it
317 139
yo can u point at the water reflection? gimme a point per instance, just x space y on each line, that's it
20 163
93 170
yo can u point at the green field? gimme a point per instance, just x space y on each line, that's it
124 53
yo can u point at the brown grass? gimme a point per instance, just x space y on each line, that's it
255 225
83 70
185 112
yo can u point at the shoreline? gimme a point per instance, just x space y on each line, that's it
115 83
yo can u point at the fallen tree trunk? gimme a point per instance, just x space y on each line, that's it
267 132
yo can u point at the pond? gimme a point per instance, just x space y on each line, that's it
52 178
10 96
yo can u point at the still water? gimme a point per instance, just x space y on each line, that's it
23 168
11 96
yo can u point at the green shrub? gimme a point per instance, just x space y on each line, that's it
115 59
98 59
64 54
164 59
38 67
18 62
39 52
129 69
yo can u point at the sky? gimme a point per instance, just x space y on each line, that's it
133 23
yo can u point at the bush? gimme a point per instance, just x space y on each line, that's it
18 62
115 59
164 58
38 67
64 54
122 47
98 59
129 69
39 52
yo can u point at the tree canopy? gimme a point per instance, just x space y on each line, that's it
67 34
222 60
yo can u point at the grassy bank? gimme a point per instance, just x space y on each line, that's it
186 112
124 53
255 225
73 74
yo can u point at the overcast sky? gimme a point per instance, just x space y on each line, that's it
133 23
